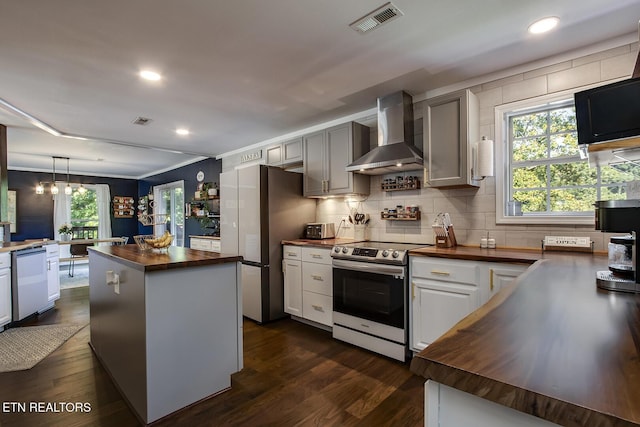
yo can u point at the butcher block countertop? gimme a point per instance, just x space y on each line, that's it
550 344
175 257
319 243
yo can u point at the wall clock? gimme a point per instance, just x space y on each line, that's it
200 176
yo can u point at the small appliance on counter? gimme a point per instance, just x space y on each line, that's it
320 230
620 216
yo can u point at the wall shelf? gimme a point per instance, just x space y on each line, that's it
401 183
412 218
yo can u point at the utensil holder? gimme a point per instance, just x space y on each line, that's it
447 241
360 232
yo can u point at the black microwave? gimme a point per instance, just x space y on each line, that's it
608 112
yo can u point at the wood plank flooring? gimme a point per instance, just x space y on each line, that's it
294 375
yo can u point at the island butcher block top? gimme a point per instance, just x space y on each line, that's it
173 257
551 344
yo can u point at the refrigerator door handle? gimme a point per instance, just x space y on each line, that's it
254 264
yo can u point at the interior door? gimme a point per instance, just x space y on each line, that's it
169 200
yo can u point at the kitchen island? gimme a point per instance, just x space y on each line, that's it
167 327
549 349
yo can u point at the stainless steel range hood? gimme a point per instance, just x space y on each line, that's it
395 151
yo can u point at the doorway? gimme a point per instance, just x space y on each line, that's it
169 200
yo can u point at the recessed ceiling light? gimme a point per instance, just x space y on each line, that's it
182 131
150 75
543 25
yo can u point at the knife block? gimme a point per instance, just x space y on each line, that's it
447 241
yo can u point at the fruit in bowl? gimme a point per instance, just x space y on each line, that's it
152 242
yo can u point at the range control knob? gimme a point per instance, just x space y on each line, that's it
385 253
345 250
395 254
336 249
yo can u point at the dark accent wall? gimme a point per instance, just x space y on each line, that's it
34 212
211 168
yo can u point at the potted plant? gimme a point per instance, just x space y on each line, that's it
65 232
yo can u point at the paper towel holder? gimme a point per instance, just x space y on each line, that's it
482 158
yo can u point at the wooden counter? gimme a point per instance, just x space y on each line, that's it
551 345
320 243
167 327
174 257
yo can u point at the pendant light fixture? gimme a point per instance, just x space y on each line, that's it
68 190
54 187
82 189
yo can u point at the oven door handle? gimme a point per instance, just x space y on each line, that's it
388 270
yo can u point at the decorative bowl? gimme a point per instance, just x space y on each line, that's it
149 241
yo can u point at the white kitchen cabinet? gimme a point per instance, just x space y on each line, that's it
443 291
204 244
326 155
285 154
451 127
5 289
317 285
292 274
308 283
500 275
53 274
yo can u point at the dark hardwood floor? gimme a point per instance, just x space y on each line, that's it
294 375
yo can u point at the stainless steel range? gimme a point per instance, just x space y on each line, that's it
370 296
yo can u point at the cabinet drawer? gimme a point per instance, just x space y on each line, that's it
291 252
317 278
322 256
201 244
215 245
318 308
5 260
445 270
53 250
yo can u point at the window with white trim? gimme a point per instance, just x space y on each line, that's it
545 174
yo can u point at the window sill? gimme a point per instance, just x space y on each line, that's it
546 220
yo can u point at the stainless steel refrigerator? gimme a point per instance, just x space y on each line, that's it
259 207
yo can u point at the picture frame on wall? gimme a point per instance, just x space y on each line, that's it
11 209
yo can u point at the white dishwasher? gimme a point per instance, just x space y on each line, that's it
29 281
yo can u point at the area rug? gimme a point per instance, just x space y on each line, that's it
80 276
23 348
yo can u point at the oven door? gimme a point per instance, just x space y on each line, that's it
376 292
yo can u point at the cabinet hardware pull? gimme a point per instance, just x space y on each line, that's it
316 256
440 273
317 277
491 279
48 265
413 290
364 326
291 253
317 307
284 267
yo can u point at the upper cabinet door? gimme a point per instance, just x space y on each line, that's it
314 163
451 127
292 151
274 155
339 153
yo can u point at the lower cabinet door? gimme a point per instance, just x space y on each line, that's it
292 272
317 307
53 279
436 307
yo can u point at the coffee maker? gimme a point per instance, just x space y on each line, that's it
620 216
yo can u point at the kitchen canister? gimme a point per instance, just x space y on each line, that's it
360 232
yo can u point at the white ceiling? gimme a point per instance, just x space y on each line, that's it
244 71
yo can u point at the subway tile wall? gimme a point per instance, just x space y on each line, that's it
473 210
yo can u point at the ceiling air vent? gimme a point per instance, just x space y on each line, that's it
385 13
142 121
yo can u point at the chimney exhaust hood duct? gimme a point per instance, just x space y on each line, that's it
395 151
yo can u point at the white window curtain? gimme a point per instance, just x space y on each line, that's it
103 200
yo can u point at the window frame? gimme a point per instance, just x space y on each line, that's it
503 163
